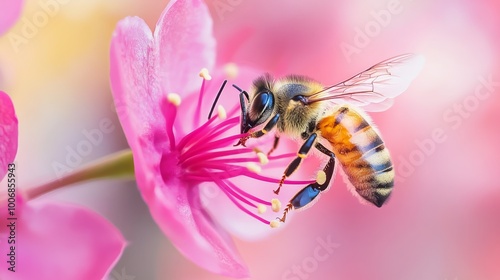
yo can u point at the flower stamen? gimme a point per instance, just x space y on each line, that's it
262 158
231 70
235 202
242 192
275 205
205 77
221 112
205 74
261 209
174 99
170 111
275 223
253 167
206 154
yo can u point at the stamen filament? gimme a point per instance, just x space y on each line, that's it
200 134
227 189
224 141
230 171
218 166
244 209
212 155
274 180
222 126
197 113
186 139
201 147
242 192
171 114
231 160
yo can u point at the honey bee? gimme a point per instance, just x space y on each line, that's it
331 120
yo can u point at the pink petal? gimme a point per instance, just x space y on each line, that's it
175 206
8 133
58 241
9 13
177 210
134 80
184 45
135 89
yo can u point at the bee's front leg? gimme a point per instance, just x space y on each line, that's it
259 133
275 144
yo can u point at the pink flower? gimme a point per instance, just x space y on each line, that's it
153 78
10 11
45 240
8 133
57 241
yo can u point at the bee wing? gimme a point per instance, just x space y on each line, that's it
374 88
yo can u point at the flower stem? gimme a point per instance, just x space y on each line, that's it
114 166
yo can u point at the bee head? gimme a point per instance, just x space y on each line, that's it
258 108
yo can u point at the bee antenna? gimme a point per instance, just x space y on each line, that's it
241 91
217 98
237 87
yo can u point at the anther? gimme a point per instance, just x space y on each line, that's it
261 209
275 204
221 112
174 98
275 223
253 167
262 158
205 75
231 70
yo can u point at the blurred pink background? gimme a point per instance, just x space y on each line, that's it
442 220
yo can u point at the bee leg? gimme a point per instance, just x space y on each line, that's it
301 199
243 95
259 133
275 144
304 149
328 169
287 209
311 191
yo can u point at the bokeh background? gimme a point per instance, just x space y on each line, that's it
442 221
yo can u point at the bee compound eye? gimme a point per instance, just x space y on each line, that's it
261 104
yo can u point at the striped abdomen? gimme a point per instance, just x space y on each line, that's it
362 153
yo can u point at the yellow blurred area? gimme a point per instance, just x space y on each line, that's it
48 40
54 62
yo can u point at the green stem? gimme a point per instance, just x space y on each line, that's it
117 165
